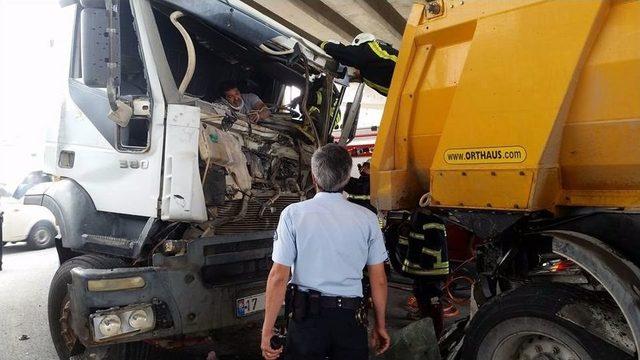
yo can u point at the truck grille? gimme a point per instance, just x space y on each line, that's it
252 222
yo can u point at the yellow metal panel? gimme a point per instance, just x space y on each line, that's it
513 95
456 187
517 75
608 198
601 155
557 81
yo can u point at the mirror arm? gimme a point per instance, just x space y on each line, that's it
121 112
111 65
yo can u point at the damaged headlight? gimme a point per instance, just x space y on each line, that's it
129 320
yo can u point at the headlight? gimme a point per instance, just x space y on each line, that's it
110 325
128 320
140 320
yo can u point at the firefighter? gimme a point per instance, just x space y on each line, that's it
420 243
373 59
316 100
358 188
324 243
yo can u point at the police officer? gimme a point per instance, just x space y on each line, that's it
359 189
373 59
324 243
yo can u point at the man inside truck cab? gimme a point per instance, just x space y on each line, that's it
374 60
248 104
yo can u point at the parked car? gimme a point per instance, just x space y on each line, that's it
31 223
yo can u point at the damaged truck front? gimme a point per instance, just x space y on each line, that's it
168 199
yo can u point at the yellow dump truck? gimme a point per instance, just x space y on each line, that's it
519 121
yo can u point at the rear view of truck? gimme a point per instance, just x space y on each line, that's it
168 200
517 121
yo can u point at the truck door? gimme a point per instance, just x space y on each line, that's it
110 135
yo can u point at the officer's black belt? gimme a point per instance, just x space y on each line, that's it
301 299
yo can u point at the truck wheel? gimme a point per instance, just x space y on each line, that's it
42 235
522 324
59 310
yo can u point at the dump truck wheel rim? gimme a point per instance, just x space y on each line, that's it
533 346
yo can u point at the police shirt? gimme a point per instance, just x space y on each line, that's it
328 241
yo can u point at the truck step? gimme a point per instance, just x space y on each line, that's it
108 241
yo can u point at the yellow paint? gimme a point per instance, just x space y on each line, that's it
558 81
486 155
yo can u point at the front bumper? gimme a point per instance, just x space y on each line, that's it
182 301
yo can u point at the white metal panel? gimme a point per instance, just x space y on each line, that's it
182 194
98 166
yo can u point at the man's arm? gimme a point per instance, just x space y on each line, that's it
349 55
276 289
262 110
259 111
284 255
378 280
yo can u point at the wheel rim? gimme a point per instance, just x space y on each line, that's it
42 236
533 346
67 333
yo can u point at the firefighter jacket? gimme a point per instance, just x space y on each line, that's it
358 190
374 59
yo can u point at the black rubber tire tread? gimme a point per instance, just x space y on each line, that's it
31 241
542 300
57 293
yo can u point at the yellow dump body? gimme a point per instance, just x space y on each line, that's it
514 105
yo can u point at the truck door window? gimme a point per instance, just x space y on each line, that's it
88 70
290 93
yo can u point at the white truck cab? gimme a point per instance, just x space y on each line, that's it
168 199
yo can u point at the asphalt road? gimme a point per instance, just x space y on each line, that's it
24 287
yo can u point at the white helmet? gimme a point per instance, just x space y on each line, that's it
362 38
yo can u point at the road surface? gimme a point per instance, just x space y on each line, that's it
24 286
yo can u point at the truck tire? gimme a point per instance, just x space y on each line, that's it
522 324
42 235
66 343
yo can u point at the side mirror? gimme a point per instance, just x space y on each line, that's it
350 122
100 44
95 47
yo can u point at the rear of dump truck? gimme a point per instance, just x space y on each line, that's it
167 202
517 121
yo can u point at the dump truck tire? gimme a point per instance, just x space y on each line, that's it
67 346
522 323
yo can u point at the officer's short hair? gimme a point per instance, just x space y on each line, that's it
331 167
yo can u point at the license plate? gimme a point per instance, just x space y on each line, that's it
249 305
